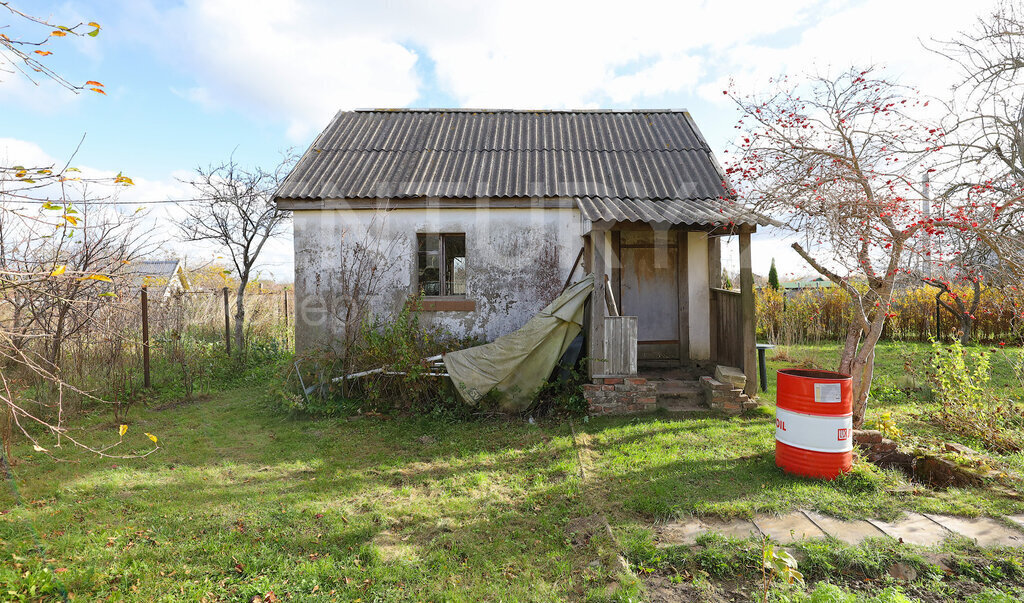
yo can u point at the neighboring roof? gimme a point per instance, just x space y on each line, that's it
155 275
618 158
808 284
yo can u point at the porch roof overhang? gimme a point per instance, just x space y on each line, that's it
676 212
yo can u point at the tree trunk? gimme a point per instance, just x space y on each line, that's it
863 371
966 329
853 334
57 338
240 316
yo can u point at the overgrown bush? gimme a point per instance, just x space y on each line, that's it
395 368
392 353
967 404
563 395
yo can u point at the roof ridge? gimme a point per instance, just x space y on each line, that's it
465 150
499 110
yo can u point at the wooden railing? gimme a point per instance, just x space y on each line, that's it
726 327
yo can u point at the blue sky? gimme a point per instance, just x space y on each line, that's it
189 82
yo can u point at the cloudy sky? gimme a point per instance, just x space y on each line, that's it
191 82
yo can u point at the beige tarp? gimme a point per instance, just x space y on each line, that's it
517 365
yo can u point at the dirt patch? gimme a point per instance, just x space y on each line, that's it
582 529
394 547
663 589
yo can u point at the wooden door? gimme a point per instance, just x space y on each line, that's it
650 292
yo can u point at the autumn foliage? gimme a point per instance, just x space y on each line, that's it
823 314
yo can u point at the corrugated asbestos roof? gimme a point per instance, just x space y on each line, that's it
673 211
617 163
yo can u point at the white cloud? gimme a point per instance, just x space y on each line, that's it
200 96
670 74
299 61
891 34
25 153
292 62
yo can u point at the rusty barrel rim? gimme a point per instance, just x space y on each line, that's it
816 374
814 392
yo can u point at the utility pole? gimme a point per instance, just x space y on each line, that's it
227 323
145 339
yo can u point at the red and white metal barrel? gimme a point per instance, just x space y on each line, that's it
814 423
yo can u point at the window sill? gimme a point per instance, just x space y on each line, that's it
446 304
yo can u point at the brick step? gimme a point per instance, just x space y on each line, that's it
677 395
683 406
725 397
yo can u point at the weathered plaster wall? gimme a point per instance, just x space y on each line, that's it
516 263
699 294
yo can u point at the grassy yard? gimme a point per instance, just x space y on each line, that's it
241 503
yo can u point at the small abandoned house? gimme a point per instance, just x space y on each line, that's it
489 214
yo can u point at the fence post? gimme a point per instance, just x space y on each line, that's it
227 322
145 338
285 293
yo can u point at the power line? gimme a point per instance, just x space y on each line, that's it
152 202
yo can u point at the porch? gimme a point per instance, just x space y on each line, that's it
660 321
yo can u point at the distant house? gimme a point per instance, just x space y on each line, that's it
162 278
792 288
488 213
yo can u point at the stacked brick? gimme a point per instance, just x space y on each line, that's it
874 445
620 395
725 397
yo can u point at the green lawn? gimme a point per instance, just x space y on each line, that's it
240 502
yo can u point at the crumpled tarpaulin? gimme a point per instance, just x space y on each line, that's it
516 365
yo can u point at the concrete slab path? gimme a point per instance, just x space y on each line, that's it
791 527
850 532
985 531
914 528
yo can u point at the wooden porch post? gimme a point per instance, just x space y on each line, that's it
747 305
683 294
616 267
715 262
714 282
597 302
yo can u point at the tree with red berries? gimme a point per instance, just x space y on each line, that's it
983 174
839 161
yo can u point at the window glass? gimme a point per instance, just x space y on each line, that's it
455 264
429 263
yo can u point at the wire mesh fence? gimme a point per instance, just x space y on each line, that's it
98 345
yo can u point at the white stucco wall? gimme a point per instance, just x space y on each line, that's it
517 260
699 294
